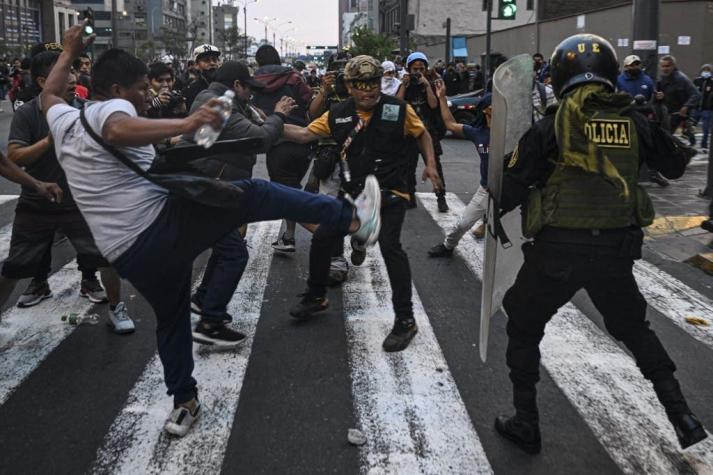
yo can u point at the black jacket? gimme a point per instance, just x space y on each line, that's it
678 91
705 87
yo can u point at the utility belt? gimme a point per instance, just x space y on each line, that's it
621 242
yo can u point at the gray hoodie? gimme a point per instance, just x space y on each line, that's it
238 127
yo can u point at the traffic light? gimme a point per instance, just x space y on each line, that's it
507 9
88 14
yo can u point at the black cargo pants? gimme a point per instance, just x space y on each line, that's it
551 275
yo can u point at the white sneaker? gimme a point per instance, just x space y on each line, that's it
368 211
181 419
119 319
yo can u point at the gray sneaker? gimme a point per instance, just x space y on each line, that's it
368 211
119 319
181 419
36 292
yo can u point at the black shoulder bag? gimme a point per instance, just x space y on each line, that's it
206 191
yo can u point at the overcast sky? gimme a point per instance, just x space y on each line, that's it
315 21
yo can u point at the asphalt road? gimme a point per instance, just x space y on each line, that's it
86 400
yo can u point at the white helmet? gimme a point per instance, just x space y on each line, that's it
204 50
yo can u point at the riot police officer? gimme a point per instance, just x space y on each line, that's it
575 174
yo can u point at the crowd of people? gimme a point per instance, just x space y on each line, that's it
355 134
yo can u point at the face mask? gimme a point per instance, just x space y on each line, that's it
635 72
387 81
706 74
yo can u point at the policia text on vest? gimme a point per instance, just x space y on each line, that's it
609 133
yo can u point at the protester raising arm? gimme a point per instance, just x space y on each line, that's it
12 172
448 118
120 129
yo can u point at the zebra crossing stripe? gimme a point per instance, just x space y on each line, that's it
600 380
136 441
28 335
5 235
675 300
8 198
407 404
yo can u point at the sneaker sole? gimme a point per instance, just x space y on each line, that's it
35 302
93 299
120 332
178 430
284 249
200 338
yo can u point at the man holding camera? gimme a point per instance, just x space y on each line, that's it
165 103
417 90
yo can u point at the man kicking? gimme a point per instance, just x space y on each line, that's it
149 235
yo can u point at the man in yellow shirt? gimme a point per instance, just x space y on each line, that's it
373 131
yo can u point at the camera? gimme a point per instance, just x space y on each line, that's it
176 100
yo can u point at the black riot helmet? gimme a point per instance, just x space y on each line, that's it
583 59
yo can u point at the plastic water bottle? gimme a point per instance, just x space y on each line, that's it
207 135
76 319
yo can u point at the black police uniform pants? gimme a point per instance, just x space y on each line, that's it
324 244
550 276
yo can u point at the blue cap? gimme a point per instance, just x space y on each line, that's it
416 56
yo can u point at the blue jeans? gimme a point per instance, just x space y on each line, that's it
222 275
705 117
159 263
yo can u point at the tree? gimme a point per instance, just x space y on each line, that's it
147 51
175 42
377 45
232 39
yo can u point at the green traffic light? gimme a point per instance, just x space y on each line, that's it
88 30
509 11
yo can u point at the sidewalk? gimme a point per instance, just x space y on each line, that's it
676 232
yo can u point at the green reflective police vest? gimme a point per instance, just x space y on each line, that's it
577 198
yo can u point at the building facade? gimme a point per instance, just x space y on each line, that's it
468 17
201 25
352 14
20 25
226 34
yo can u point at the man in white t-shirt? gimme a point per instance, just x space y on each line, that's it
150 236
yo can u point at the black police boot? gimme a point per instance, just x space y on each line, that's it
688 429
401 335
308 306
523 428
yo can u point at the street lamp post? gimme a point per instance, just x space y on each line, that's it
245 4
266 21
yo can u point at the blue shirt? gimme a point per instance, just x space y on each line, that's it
641 84
480 136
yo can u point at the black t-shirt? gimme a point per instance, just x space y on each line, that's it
28 127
